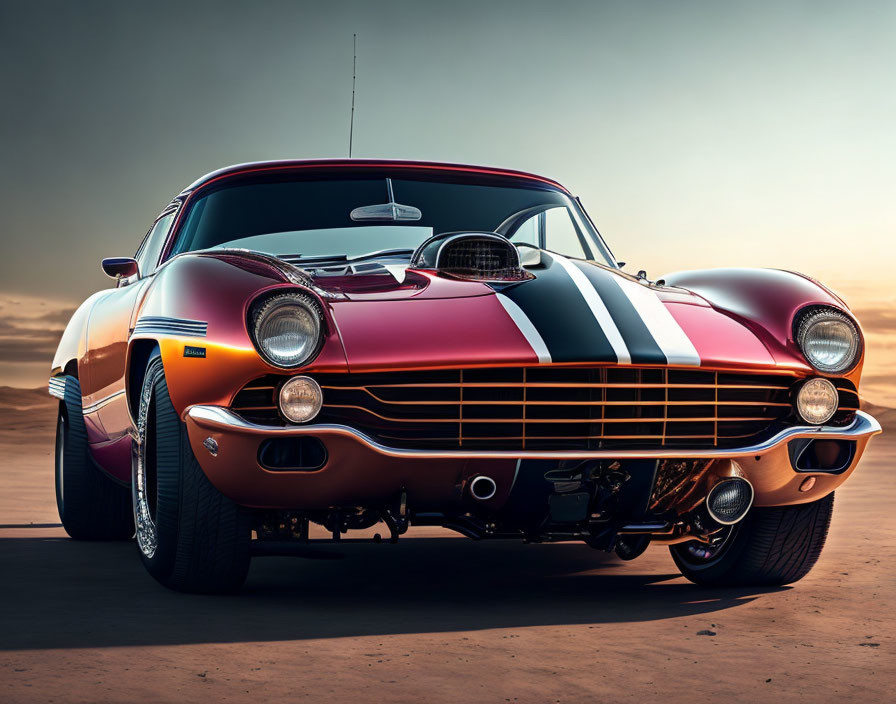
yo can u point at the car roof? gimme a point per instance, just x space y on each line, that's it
362 165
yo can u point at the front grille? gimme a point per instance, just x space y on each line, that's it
550 407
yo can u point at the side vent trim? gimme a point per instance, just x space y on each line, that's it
162 325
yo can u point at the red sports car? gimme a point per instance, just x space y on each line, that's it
348 343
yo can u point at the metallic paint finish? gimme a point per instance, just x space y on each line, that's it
430 333
73 344
102 368
533 337
765 301
354 473
94 407
722 341
115 457
361 164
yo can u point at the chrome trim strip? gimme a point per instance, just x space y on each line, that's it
94 407
170 326
56 387
223 419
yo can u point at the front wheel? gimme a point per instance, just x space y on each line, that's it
191 537
770 547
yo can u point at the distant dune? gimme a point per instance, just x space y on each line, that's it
885 416
21 399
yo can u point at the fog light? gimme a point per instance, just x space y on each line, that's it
817 400
729 500
300 399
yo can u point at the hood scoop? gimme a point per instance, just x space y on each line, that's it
473 256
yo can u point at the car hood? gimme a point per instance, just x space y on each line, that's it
571 311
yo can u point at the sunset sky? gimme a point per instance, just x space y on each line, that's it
697 134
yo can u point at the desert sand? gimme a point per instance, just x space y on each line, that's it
434 618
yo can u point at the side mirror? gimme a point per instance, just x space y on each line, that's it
529 255
120 267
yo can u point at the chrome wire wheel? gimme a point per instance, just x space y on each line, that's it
145 483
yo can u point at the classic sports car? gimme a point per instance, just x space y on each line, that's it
353 343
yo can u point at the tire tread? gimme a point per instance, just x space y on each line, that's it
95 507
207 534
774 546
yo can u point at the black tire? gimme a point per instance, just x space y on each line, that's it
91 505
191 537
770 547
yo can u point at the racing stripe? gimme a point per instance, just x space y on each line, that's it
642 347
526 327
672 340
598 308
562 317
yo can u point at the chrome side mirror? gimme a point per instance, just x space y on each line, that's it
529 255
120 267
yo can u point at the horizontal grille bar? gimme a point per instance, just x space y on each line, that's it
551 407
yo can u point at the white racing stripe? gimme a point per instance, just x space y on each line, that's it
598 308
666 331
526 327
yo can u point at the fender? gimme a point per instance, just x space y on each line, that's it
73 344
205 300
764 300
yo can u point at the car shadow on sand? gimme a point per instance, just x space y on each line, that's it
58 593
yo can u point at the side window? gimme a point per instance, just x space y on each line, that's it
554 230
528 232
148 256
561 234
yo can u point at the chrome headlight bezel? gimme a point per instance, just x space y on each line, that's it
267 309
810 322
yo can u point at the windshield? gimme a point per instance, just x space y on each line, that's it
331 218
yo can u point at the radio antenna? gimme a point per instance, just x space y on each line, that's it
351 124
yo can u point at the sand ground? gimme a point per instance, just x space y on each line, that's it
434 618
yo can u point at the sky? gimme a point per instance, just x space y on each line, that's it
697 134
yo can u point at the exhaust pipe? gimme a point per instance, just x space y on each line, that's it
482 488
729 501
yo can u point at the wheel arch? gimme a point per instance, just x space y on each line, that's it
139 353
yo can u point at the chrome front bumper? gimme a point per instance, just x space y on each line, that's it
360 471
222 419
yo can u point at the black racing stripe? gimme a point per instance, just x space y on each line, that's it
554 304
641 344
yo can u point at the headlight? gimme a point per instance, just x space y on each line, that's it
300 399
286 330
817 401
829 340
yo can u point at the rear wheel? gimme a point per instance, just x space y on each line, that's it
191 537
91 505
770 547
